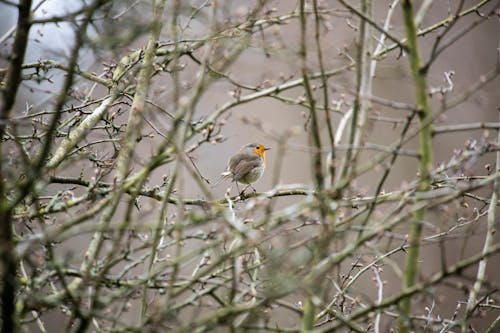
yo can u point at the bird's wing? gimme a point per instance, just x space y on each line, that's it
241 166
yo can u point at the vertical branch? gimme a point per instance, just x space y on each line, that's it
175 61
425 152
360 52
365 86
380 296
162 216
424 8
326 99
138 105
488 242
13 78
381 39
371 75
7 245
308 316
315 136
309 307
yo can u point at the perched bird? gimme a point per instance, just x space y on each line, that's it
246 166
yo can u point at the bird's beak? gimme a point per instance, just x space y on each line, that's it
267 148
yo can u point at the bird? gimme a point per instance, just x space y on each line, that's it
247 166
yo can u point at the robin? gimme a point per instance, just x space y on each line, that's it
247 166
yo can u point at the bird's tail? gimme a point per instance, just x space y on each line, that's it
223 176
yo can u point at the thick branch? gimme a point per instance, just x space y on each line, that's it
425 147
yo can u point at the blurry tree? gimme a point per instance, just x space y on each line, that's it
108 223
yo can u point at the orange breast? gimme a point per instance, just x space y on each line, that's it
261 153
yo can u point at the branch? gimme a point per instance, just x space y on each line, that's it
377 27
8 271
407 293
425 146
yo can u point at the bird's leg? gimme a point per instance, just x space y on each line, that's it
238 188
242 193
249 185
